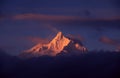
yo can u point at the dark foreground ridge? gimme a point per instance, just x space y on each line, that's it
89 65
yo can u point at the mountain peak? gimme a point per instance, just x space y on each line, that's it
58 43
55 46
59 35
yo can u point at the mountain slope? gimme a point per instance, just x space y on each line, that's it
58 44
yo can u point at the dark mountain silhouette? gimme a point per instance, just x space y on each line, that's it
87 65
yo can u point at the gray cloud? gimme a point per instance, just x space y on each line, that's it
110 41
69 20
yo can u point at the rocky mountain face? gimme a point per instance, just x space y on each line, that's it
57 45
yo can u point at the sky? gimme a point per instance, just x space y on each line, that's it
24 23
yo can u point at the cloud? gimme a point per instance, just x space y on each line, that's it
52 28
70 20
48 17
109 41
43 17
118 48
79 37
37 39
